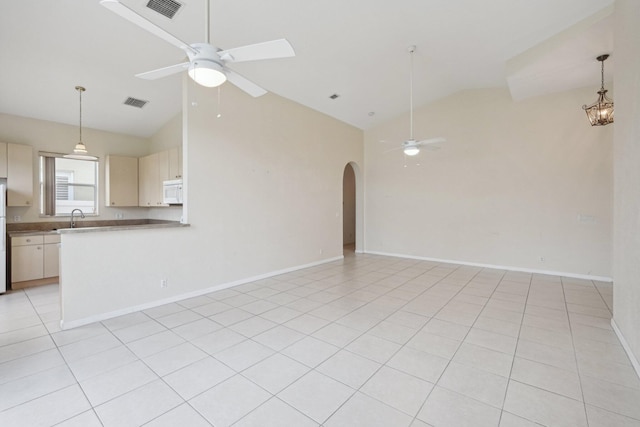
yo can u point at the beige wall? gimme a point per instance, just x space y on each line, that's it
264 195
60 138
626 248
514 183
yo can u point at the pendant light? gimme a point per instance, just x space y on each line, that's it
600 113
80 151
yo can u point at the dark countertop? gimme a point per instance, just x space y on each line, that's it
83 226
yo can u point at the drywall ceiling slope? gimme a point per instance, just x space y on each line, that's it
355 48
565 61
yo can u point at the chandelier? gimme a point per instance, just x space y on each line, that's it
600 113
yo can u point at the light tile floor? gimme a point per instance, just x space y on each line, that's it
368 341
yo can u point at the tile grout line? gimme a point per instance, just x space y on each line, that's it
515 351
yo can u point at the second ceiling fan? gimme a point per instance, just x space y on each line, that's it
411 147
207 63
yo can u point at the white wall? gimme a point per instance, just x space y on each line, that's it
506 189
60 138
264 195
626 248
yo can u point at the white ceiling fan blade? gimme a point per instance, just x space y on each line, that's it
118 8
243 83
393 149
430 141
163 72
268 50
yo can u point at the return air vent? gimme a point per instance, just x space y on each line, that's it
135 102
167 8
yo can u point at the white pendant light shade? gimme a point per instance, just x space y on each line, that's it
411 150
80 151
207 73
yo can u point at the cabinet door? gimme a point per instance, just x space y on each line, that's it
27 263
121 176
19 175
163 165
3 159
143 193
154 185
51 260
175 163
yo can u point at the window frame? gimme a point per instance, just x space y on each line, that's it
42 156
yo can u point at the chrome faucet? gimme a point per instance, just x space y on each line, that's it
73 224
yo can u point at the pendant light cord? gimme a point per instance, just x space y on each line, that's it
80 89
602 75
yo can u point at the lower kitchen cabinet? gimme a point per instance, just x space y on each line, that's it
34 258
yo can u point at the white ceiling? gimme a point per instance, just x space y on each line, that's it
355 48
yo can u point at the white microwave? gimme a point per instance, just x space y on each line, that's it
172 192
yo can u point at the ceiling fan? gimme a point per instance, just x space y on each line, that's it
411 147
207 63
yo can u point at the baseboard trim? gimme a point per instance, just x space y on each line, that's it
498 267
111 314
627 348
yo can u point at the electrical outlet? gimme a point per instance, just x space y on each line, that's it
119 215
164 283
541 259
17 218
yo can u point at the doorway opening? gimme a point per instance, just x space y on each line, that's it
349 210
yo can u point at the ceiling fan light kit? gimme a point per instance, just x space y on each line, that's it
411 150
207 73
80 150
600 113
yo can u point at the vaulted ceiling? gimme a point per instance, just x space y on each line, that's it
356 49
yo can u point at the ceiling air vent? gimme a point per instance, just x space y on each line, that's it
167 8
134 102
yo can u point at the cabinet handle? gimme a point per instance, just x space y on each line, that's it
113 203
28 240
38 248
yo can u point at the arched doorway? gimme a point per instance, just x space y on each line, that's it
349 209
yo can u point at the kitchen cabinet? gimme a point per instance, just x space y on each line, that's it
163 166
175 163
3 159
27 258
149 183
121 181
51 262
34 257
19 175
153 170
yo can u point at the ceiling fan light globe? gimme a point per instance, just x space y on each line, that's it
207 73
411 150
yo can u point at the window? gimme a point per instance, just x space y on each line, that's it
67 184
